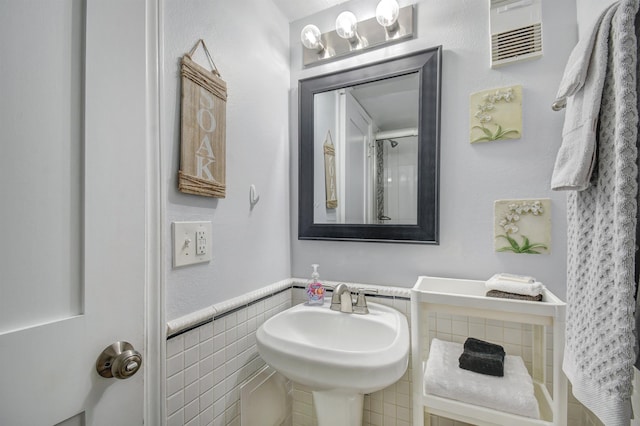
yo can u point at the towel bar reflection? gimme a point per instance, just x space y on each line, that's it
559 105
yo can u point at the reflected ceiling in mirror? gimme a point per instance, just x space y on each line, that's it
369 143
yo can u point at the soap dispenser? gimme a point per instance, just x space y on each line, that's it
315 290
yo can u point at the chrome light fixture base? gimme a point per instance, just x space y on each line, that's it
376 36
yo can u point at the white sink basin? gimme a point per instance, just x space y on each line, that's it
330 350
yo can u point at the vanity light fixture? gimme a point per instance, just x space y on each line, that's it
347 28
312 38
387 13
391 24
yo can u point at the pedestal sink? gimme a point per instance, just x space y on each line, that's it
339 356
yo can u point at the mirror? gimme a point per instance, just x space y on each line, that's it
369 144
374 158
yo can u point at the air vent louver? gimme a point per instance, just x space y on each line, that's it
516 45
516 31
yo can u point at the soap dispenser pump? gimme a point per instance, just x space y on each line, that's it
315 290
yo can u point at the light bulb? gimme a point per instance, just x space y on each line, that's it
311 37
387 12
347 25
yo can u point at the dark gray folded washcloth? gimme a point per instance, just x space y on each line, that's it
506 295
482 357
476 345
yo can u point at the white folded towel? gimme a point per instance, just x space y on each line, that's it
500 283
517 278
582 86
575 72
512 393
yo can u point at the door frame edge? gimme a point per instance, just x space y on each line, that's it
155 333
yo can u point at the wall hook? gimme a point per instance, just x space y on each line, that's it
253 196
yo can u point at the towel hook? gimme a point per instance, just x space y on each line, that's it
253 196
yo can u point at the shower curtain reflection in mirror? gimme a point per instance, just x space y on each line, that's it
397 180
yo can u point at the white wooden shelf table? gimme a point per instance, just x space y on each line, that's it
467 298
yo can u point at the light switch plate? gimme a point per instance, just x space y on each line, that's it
191 243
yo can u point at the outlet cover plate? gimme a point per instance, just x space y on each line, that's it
187 249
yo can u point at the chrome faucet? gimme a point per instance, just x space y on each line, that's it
341 299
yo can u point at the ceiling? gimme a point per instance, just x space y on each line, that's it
296 9
393 103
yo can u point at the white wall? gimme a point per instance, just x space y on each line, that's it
588 11
249 42
472 176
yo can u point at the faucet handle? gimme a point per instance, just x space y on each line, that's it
361 303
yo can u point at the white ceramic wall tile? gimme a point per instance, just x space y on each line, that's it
443 325
460 327
175 383
191 356
175 364
477 330
175 346
206 365
175 402
176 419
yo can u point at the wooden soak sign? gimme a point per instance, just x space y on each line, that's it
331 190
203 129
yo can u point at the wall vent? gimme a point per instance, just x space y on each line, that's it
516 31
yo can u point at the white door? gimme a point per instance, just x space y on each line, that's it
356 162
72 212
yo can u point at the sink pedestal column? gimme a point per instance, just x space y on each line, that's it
335 408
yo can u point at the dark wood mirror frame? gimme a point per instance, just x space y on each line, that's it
428 64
